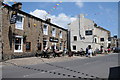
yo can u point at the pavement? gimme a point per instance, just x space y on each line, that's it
39 60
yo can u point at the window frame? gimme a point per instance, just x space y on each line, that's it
61 46
102 40
75 47
86 32
60 34
45 32
20 23
21 44
54 32
74 38
30 47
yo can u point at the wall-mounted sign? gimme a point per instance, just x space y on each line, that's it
53 39
13 17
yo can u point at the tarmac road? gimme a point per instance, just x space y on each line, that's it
95 67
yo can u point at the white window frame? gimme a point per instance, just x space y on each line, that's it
21 44
22 23
45 33
54 32
60 34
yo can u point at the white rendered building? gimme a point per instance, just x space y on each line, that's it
84 32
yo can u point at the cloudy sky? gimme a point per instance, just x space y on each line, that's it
105 14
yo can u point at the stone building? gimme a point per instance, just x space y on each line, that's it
115 42
84 32
28 34
0 33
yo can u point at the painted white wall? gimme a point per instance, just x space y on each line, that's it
86 24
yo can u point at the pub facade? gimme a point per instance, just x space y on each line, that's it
23 34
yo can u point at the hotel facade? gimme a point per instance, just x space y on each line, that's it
84 32
28 34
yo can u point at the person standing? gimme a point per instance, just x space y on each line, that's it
90 51
53 50
87 52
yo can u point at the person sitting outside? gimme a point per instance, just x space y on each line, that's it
81 52
45 52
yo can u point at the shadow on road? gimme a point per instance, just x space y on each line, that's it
114 73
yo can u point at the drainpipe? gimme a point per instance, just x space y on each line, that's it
79 27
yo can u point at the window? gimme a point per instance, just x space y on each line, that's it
19 22
75 38
60 34
74 47
45 29
109 39
60 46
28 46
101 39
88 32
53 32
18 44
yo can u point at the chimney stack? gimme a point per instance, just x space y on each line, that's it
17 5
48 20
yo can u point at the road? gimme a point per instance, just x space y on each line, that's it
95 67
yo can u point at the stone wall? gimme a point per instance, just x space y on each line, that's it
34 34
0 31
